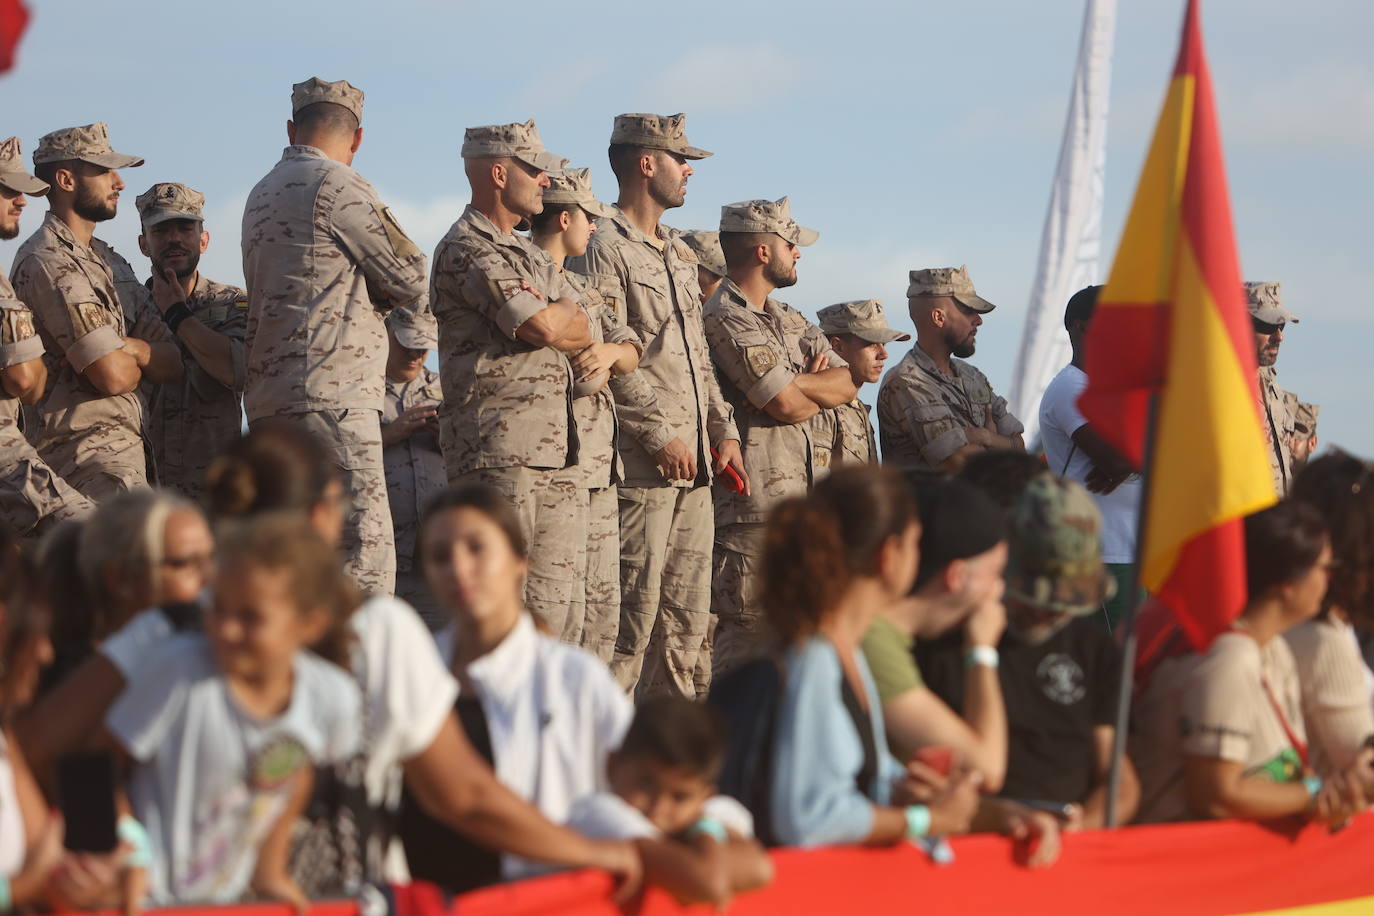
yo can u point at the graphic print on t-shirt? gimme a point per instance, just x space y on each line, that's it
1060 678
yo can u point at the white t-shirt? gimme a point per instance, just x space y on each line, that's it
554 713
1059 420
211 780
607 816
130 647
12 839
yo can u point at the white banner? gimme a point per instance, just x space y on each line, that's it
1072 240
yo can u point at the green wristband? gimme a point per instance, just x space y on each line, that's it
1313 785
6 895
917 822
132 833
708 826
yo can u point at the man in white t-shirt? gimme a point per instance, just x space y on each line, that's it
1073 449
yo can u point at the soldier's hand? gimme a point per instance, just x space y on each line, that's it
676 461
990 424
407 424
167 290
819 363
593 361
138 349
729 455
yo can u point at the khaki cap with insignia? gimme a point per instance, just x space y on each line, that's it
169 200
651 131
315 90
12 173
947 281
413 330
863 318
1305 418
87 144
706 244
574 186
1265 305
766 216
519 141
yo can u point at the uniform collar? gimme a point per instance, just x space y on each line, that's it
481 223
302 151
922 359
503 674
728 287
632 232
63 233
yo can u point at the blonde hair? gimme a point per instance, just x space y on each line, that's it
127 532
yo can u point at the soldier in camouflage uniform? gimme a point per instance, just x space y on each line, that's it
666 517
858 331
1278 408
32 497
410 449
192 422
562 230
1304 444
102 335
935 410
324 261
710 259
508 318
781 375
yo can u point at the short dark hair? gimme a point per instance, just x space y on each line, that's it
679 733
1001 473
486 499
623 157
958 521
1282 543
548 215
1341 487
327 117
1081 305
47 171
738 247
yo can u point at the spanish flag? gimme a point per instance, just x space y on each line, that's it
1172 324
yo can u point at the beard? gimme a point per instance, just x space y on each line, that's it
773 273
192 263
9 232
91 206
1267 359
962 349
667 191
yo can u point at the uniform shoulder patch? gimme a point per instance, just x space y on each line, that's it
760 360
89 316
401 245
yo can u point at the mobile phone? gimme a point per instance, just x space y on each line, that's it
86 789
939 759
733 481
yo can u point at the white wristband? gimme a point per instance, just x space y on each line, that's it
982 655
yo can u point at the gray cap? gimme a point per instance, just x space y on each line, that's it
13 174
1265 305
953 282
413 330
86 144
169 200
863 318
651 131
518 141
574 186
766 216
706 244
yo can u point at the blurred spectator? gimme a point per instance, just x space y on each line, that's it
1002 475
543 714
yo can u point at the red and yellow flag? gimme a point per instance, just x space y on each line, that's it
1172 323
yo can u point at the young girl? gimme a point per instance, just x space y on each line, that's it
545 714
223 727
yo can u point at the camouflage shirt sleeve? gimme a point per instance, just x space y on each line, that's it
141 316
479 274
747 355
935 429
19 340
1007 424
397 271
79 319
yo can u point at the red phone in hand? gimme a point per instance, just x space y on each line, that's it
939 759
734 482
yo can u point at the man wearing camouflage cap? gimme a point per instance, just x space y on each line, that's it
1304 443
666 517
1278 408
710 259
325 260
32 496
859 332
508 319
192 422
102 334
781 375
934 410
410 449
1059 670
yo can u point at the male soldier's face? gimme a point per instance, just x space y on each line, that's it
668 186
97 192
961 328
402 363
1268 337
781 269
708 283
176 245
524 192
12 204
866 360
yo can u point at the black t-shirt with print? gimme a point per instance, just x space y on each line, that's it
1056 693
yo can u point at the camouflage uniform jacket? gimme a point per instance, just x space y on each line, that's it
192 422
1277 411
507 403
922 412
854 435
662 299
414 467
758 355
323 259
81 317
19 343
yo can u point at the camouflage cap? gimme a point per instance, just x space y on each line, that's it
947 281
12 173
651 131
315 90
705 243
1055 557
519 141
863 318
574 186
415 330
1305 418
87 144
1263 300
766 216
169 200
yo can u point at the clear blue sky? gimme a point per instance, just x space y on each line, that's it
910 135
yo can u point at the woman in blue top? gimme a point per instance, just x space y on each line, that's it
831 561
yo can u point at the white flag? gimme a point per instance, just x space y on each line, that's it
1072 240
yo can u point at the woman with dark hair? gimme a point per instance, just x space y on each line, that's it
831 561
1221 733
544 714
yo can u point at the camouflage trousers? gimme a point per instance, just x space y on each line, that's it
100 463
596 601
665 569
553 519
354 436
32 497
734 596
414 591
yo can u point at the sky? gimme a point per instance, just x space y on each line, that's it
909 134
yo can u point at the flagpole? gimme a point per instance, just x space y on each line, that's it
1126 687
